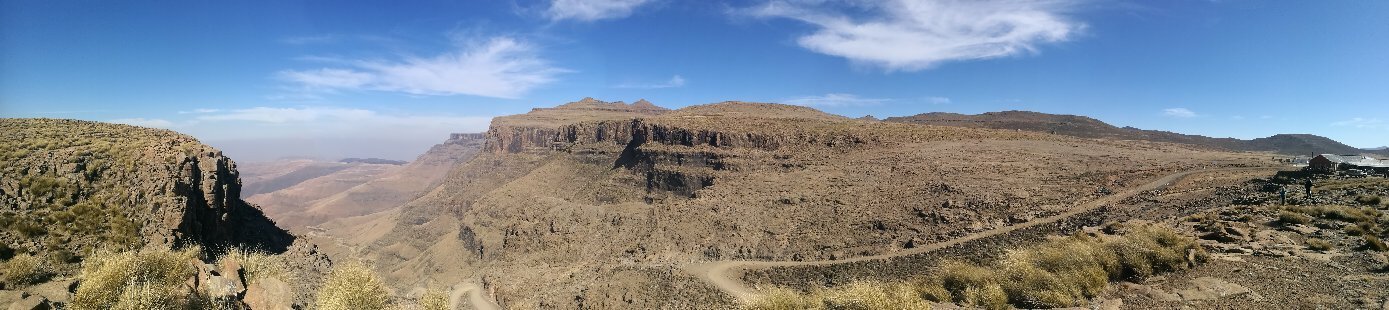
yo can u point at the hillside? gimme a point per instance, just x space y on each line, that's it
605 208
70 186
363 188
1086 127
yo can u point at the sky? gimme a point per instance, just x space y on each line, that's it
331 79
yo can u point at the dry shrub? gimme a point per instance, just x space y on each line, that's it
24 269
854 296
151 279
1373 243
1058 273
1369 200
434 300
1292 218
256 264
874 296
352 286
785 299
1318 245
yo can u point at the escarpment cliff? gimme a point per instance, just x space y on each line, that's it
570 200
68 187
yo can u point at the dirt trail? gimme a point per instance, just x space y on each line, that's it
725 274
475 297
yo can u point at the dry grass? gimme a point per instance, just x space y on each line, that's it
1318 245
1373 243
24 269
435 300
151 279
854 296
1058 273
353 286
1293 218
256 264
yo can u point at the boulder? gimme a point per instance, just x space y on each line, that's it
31 302
223 287
269 293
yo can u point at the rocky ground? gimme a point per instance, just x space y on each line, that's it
1312 253
568 200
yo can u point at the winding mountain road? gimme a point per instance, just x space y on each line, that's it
725 274
475 297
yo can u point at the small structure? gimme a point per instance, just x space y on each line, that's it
1333 162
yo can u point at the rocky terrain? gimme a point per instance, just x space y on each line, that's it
1086 127
78 194
601 205
355 188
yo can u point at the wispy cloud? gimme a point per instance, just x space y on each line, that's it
1363 123
674 81
591 10
937 100
1178 112
834 100
200 111
912 35
501 67
144 122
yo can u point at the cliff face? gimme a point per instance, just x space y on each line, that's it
73 186
570 202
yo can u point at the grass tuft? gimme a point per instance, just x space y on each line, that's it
151 279
1058 273
1318 245
434 300
25 269
352 286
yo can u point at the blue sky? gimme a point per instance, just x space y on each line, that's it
389 78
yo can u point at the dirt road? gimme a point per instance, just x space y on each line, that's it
475 297
725 274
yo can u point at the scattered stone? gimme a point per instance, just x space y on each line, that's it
32 302
269 293
1303 229
223 287
1208 288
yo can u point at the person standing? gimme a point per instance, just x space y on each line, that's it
1308 184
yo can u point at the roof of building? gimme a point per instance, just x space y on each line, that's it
1356 160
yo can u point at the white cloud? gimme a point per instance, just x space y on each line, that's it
1178 112
591 10
200 111
1363 123
501 67
834 100
937 100
144 122
675 81
913 35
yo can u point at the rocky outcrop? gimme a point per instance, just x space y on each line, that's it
115 186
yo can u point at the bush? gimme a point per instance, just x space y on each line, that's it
1369 200
352 286
435 300
1292 218
256 264
1058 273
151 279
1318 245
1373 243
874 296
784 299
854 296
24 269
